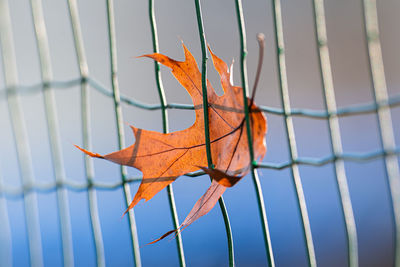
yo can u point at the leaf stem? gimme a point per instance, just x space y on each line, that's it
261 45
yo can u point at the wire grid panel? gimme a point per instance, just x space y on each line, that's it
30 187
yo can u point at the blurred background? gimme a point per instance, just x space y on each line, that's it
205 241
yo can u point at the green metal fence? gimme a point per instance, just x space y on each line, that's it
30 187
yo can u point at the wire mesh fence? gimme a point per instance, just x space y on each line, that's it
30 186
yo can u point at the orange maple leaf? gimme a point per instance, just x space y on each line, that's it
162 158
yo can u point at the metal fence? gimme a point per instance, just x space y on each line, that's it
30 187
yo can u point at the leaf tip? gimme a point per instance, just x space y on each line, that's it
186 50
163 236
93 155
146 55
125 212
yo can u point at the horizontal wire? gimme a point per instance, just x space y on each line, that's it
351 110
47 187
355 157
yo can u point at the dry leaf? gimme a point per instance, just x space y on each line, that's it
164 157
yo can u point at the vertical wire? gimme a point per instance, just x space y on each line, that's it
334 131
5 231
254 173
279 42
86 132
5 33
207 130
164 115
32 222
204 82
53 130
377 74
120 128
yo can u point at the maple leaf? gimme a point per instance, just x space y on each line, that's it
162 158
